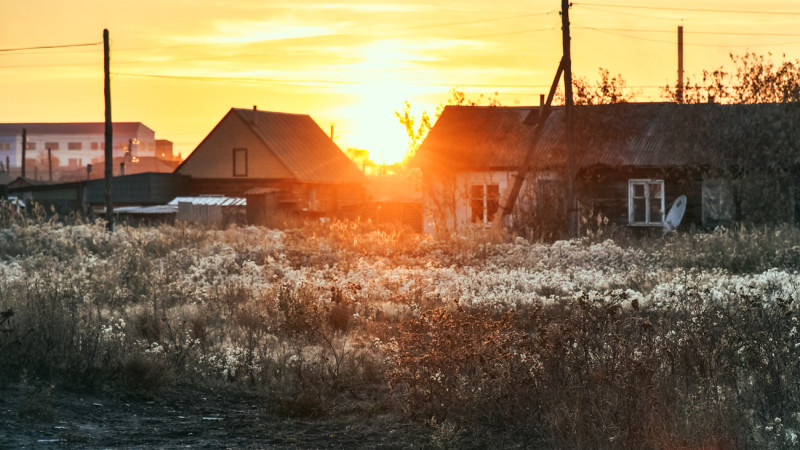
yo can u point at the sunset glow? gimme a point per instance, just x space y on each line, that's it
179 66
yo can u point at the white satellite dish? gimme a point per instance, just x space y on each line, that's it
675 214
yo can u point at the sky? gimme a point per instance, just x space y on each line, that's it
178 66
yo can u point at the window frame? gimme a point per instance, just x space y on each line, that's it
487 201
645 183
234 153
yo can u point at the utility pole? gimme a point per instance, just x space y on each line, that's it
50 163
109 150
572 202
507 207
679 90
24 149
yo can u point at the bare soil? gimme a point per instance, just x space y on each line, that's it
185 418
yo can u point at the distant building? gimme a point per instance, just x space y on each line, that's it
72 146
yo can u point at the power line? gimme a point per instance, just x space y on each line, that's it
239 79
666 8
601 30
722 33
42 47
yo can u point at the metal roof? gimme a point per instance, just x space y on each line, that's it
629 134
219 200
157 209
301 145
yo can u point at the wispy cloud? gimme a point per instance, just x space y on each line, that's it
247 31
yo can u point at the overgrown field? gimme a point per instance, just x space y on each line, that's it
685 341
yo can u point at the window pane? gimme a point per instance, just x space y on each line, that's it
240 162
476 191
640 210
492 201
476 210
638 190
655 211
655 190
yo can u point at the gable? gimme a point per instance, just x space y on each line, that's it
214 157
250 144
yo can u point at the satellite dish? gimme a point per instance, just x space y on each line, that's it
675 215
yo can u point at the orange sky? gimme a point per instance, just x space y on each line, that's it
179 65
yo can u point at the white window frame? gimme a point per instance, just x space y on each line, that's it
646 183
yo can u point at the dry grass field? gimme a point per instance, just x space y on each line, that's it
352 335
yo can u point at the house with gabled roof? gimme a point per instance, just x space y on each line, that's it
633 160
253 149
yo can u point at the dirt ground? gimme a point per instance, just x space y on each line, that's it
184 418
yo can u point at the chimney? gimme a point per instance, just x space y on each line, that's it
255 107
710 99
331 130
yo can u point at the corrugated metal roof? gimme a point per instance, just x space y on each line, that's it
630 134
261 191
157 209
15 129
219 200
302 146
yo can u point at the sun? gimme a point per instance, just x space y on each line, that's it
375 126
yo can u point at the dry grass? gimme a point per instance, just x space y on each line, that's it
325 317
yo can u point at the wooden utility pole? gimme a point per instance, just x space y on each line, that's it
24 149
50 163
564 67
109 150
505 208
679 90
572 202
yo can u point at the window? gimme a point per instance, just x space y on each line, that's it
95 146
74 146
240 162
51 145
718 204
312 199
5 145
484 201
31 145
646 202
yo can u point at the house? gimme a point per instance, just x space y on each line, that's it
732 162
251 149
62 151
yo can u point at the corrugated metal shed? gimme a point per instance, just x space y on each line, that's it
632 134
